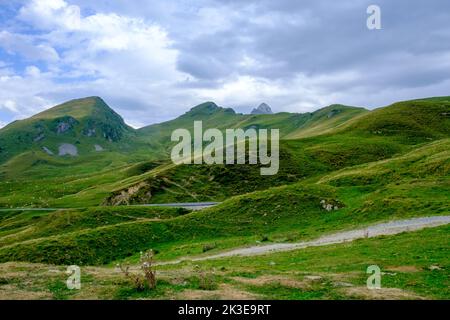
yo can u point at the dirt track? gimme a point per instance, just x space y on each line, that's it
388 228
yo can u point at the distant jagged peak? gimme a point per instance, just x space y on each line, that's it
263 108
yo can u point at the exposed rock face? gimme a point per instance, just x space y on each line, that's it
98 147
40 137
90 132
126 197
262 109
68 149
111 133
65 124
330 205
47 150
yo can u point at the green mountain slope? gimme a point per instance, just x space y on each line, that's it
411 185
416 120
86 125
341 137
290 124
325 120
134 167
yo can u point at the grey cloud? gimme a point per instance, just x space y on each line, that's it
326 37
312 52
338 40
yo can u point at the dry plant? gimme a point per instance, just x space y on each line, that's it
206 279
148 277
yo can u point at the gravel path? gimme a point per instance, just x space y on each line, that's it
388 228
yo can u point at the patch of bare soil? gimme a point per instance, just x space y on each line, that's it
282 280
225 292
11 292
380 294
403 268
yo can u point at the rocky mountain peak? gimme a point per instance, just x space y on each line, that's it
263 108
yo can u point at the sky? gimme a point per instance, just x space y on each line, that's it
152 61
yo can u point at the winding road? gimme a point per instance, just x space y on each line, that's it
375 230
187 205
387 228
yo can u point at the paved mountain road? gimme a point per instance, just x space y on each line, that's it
187 205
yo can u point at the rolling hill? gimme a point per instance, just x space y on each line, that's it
410 185
332 138
314 143
86 147
341 168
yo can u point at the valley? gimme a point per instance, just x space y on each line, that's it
341 168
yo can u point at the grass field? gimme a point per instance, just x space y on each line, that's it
338 271
414 184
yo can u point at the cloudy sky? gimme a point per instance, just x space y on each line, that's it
152 62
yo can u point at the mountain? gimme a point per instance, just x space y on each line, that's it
328 139
263 108
134 166
213 116
88 125
78 126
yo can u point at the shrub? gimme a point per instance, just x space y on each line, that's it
148 276
209 246
206 279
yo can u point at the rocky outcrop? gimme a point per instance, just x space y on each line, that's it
90 132
65 124
48 151
39 137
98 148
68 149
129 195
330 205
263 108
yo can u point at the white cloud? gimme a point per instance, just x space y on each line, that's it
32 71
9 105
28 47
107 54
21 96
48 14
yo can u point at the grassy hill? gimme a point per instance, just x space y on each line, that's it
414 184
31 167
414 121
325 120
291 125
339 137
82 123
315 143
